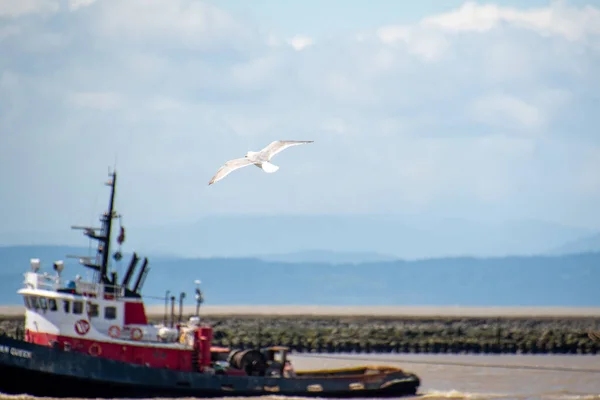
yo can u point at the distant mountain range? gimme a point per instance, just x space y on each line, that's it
328 257
403 237
569 280
335 238
588 244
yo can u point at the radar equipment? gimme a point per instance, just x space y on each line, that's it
58 266
35 264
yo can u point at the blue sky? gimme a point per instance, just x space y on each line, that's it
475 110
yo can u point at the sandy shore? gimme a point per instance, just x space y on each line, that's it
366 311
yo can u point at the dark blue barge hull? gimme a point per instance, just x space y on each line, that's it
27 368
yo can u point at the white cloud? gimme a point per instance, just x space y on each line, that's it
506 145
101 101
495 109
557 19
77 4
300 42
423 119
18 8
428 44
167 104
175 23
150 66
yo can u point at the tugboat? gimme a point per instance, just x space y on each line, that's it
93 340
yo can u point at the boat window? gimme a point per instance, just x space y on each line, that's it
43 303
27 302
110 312
66 306
52 305
77 307
278 356
92 309
34 302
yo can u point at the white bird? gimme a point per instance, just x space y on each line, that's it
262 159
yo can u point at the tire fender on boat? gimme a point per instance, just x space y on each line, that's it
136 334
114 331
95 350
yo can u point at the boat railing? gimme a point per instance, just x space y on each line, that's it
87 287
115 290
100 290
45 281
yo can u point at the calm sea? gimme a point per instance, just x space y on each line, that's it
478 376
485 376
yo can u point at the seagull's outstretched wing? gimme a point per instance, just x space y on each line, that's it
279 145
229 167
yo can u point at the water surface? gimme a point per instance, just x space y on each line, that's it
484 376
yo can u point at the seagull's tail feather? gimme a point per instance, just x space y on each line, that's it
268 167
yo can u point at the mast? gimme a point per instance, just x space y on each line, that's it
104 238
107 228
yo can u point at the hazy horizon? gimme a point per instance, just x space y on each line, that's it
399 237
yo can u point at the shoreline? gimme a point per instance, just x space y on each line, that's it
408 312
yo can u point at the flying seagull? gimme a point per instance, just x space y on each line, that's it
262 159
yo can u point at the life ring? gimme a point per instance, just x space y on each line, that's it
114 331
95 350
136 334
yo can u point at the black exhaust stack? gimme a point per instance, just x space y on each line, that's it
141 277
130 269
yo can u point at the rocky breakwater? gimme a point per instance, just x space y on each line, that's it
543 335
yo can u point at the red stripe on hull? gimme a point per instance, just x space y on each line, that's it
156 357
